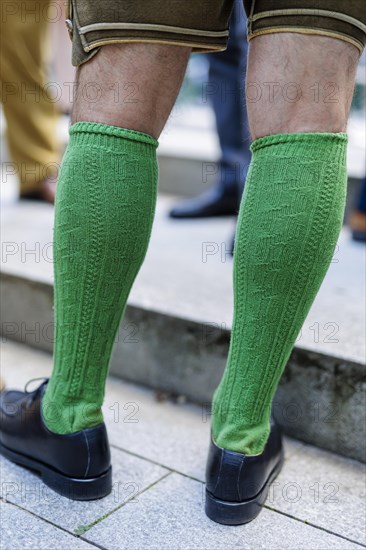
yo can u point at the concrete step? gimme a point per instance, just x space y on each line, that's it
175 334
159 450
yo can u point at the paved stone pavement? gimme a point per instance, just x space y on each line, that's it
159 451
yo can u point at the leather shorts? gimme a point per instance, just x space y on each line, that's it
203 24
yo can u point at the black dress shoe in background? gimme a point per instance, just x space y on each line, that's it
216 201
232 244
75 465
237 485
46 192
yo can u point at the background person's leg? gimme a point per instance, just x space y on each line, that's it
227 73
358 215
299 90
105 205
31 115
226 78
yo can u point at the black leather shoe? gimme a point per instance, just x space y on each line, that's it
216 201
75 465
237 485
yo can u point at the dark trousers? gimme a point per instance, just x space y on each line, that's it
227 72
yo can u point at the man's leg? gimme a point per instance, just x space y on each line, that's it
289 222
132 57
104 212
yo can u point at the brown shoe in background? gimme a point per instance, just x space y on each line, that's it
358 226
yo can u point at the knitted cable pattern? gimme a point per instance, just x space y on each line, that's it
105 204
289 222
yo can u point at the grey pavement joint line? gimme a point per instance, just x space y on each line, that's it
82 529
79 532
51 523
200 481
172 470
314 525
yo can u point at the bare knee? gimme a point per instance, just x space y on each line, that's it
130 85
299 83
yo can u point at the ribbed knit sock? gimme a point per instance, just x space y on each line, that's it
105 205
289 222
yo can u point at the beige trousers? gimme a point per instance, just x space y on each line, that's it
30 111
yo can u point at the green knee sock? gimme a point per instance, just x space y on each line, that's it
289 222
105 204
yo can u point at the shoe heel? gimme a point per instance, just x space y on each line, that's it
231 513
79 489
238 513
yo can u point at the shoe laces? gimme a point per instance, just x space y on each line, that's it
35 392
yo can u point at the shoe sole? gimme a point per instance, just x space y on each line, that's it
69 487
238 513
